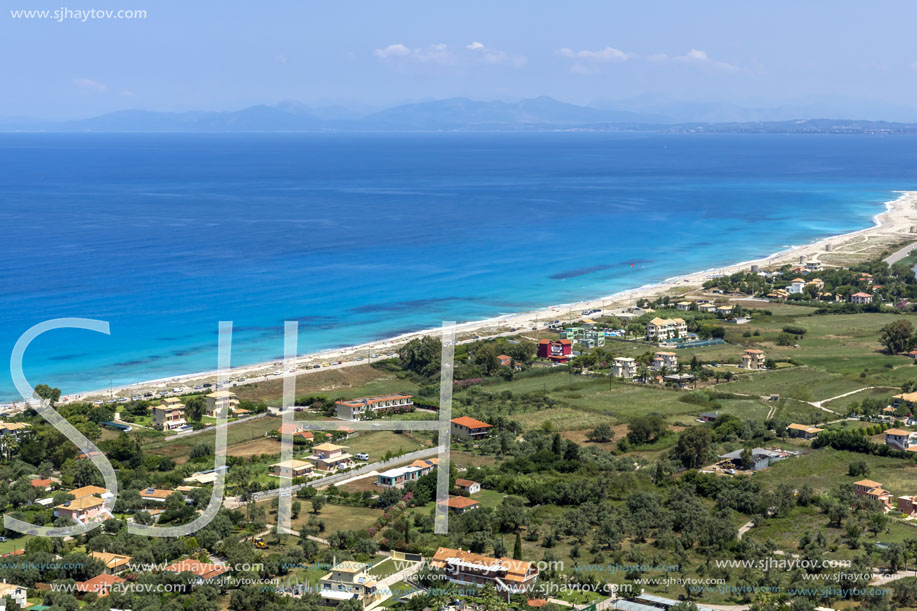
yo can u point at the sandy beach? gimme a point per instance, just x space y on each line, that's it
893 226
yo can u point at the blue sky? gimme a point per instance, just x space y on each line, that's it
837 57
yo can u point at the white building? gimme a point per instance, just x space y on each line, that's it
661 329
220 400
753 359
797 286
901 439
15 593
665 360
624 367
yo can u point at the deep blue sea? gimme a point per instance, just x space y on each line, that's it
361 237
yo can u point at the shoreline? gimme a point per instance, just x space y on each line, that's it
899 216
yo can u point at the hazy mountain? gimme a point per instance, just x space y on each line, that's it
455 114
462 113
451 114
798 126
837 107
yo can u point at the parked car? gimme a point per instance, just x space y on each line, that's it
361 456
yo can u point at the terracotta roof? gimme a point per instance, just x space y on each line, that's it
328 447
84 502
291 428
86 491
292 464
204 570
458 502
221 394
376 399
41 483
470 423
98 583
464 483
804 427
867 483
900 432
515 569
111 561
170 408
660 322
155 493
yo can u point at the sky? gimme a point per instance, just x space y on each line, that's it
816 57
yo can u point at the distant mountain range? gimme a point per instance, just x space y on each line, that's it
455 114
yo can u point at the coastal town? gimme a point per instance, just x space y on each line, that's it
627 458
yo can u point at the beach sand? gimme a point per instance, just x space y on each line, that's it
892 227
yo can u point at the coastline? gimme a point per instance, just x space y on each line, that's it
896 221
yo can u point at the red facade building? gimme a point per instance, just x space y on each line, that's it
559 351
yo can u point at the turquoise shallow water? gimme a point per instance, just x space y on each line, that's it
360 237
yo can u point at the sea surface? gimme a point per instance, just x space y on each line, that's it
365 236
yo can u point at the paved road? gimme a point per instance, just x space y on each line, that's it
209 429
745 528
883 578
338 477
819 404
904 252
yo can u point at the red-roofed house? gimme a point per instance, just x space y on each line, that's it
861 298
459 504
559 351
466 568
873 490
296 429
205 571
469 486
357 409
505 361
100 585
43 484
155 495
471 427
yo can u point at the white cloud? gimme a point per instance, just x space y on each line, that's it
658 58
608 54
493 56
442 54
395 50
90 85
694 55
438 53
698 57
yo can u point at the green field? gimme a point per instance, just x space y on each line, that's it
825 468
377 443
